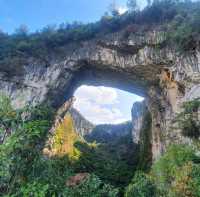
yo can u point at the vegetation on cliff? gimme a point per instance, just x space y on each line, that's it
145 146
178 19
65 138
176 173
188 119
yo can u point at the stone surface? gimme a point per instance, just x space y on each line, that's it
77 179
137 120
82 126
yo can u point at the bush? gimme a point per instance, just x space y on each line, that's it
92 186
172 172
141 186
186 181
188 119
175 174
33 189
22 148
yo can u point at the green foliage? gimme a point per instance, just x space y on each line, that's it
92 186
52 172
175 170
7 114
191 106
22 147
114 158
175 174
24 171
6 110
33 189
141 186
184 28
188 119
145 154
113 162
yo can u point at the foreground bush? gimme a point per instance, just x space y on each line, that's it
24 171
188 120
141 186
92 186
177 172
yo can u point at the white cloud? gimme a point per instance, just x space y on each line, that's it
95 103
122 9
100 95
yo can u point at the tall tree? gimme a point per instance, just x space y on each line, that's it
148 3
22 30
113 8
132 5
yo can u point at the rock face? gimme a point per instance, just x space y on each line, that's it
82 126
133 63
137 120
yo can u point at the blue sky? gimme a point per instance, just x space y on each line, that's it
37 14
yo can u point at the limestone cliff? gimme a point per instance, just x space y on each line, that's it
82 126
137 119
140 63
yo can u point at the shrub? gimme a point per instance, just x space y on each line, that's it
92 186
186 181
22 148
141 186
33 189
188 119
174 168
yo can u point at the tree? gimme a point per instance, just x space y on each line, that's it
132 5
22 30
114 9
148 3
141 186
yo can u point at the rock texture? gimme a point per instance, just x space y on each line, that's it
140 63
82 126
137 113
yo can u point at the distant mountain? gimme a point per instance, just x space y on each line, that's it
106 133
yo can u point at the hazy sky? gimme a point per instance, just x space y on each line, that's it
98 104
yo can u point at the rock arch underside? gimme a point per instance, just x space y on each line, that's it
139 63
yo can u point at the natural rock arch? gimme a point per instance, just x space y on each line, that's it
139 63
